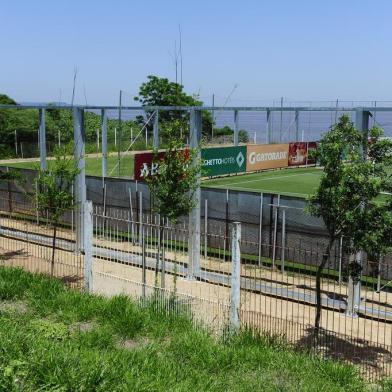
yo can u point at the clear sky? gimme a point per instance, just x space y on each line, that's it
300 50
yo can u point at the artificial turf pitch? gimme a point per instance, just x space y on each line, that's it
299 182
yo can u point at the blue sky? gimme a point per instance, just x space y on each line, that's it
300 50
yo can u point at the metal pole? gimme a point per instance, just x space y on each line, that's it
276 216
235 291
236 127
143 261
283 239
340 258
88 245
194 215
281 120
16 144
104 128
260 227
156 130
213 117
354 282
296 125
205 228
120 136
80 180
379 274
42 139
269 128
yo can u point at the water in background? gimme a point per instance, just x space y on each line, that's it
311 124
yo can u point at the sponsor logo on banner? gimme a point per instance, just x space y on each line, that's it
147 164
267 156
298 153
223 160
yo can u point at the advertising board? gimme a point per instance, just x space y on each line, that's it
267 156
223 160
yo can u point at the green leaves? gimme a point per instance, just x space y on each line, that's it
54 184
348 198
172 188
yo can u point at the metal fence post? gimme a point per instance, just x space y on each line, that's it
269 127
283 239
296 119
104 120
353 290
194 215
276 217
235 292
88 244
42 139
205 229
156 130
143 241
236 127
80 180
260 227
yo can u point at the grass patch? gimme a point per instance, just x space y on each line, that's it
66 340
93 166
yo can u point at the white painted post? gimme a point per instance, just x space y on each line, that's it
88 245
235 292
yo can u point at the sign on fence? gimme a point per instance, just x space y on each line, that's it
223 160
144 165
267 156
299 153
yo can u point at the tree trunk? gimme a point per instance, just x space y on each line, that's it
53 248
320 268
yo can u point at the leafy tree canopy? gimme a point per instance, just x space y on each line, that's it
161 92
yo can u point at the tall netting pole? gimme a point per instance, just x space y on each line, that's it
194 215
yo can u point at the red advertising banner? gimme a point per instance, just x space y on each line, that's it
299 153
144 166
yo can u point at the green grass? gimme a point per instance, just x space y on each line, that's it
55 339
292 182
93 166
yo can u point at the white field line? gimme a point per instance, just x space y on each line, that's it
265 179
274 191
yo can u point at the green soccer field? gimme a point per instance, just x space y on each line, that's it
93 166
299 182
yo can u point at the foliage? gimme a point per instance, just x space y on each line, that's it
53 193
54 184
161 92
57 122
176 181
243 136
355 171
348 194
165 352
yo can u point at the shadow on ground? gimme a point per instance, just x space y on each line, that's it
372 358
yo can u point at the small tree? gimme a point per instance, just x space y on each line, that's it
173 186
354 174
54 184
